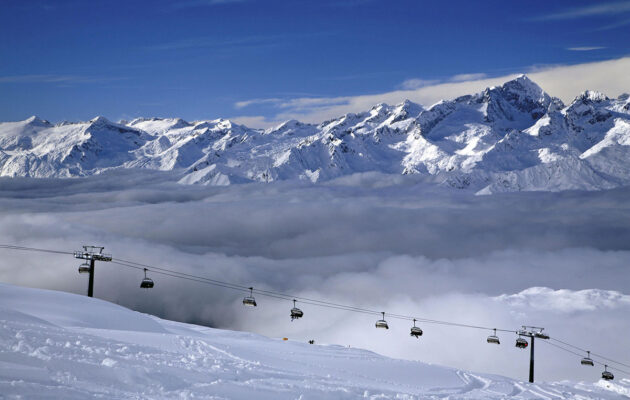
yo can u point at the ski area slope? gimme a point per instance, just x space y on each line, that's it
60 345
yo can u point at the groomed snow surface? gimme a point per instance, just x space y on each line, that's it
60 345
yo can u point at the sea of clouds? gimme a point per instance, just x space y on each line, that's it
390 243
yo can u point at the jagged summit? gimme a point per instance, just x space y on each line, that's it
509 137
34 120
591 96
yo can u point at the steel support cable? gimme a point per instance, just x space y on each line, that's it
334 305
268 293
582 355
262 291
593 354
231 287
303 300
12 247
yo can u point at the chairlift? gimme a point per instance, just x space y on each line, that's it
587 360
84 268
381 323
147 283
250 300
607 375
521 343
296 312
415 331
494 338
541 335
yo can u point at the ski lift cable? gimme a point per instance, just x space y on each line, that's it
581 355
284 296
259 291
267 293
12 247
320 303
154 268
227 286
182 277
593 354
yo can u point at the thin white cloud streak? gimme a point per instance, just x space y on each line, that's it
417 83
585 48
614 25
589 11
468 77
563 81
51 78
246 103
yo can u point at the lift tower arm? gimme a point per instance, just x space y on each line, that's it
92 254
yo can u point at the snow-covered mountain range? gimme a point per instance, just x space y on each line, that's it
508 138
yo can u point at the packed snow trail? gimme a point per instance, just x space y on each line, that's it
60 345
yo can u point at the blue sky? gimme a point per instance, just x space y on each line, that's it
203 59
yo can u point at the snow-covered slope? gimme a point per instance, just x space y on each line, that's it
507 138
59 345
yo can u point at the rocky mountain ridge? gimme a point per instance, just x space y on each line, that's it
507 138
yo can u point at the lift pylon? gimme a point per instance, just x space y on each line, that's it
92 254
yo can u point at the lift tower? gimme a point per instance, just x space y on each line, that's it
532 332
92 254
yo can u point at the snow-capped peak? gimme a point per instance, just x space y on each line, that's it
509 137
591 96
36 121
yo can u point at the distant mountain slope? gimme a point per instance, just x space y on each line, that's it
508 138
63 346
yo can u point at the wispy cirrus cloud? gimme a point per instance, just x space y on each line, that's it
589 11
563 81
468 77
246 103
53 78
614 25
417 83
585 48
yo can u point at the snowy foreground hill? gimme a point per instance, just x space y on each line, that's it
508 138
60 345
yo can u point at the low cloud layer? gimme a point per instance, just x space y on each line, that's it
381 242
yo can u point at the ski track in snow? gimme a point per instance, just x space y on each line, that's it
51 352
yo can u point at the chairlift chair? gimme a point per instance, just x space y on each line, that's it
381 323
521 343
147 283
541 335
607 375
296 312
415 331
250 300
84 268
493 338
587 360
